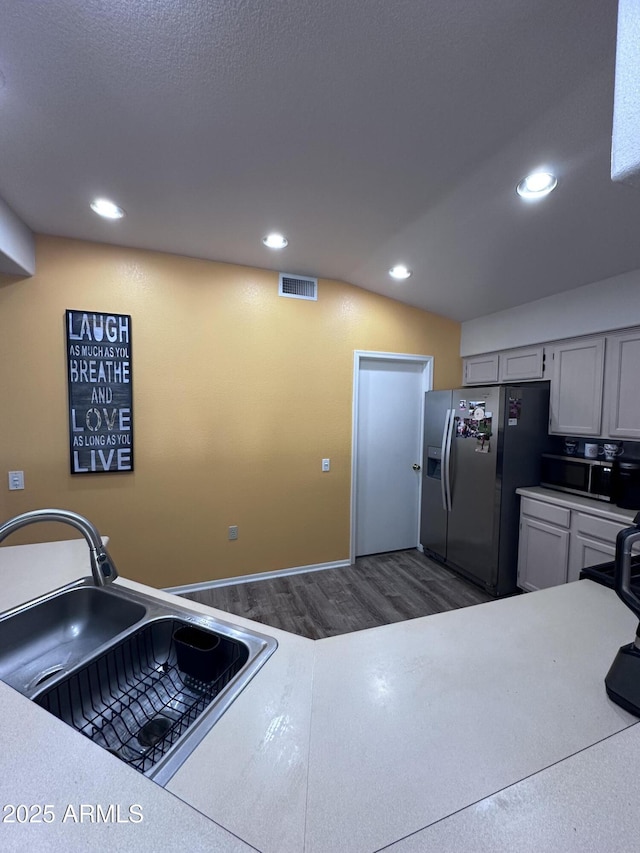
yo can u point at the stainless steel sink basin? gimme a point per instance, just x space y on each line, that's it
51 635
106 662
135 701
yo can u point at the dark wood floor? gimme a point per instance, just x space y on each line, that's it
375 591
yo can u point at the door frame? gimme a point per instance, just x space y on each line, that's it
359 356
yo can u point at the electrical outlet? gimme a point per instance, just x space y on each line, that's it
16 480
326 464
233 531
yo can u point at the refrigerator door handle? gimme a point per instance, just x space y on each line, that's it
447 458
443 460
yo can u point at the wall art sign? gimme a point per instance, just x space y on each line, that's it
100 392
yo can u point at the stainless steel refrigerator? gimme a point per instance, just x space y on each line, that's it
480 445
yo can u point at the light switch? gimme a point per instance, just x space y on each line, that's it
326 464
16 480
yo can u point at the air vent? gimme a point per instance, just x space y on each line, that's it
298 286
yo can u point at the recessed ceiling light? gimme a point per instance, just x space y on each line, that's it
399 272
537 185
275 241
106 208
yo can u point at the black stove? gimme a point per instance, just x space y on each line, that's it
604 573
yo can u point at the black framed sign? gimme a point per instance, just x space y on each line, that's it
100 392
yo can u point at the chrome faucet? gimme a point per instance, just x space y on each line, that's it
102 567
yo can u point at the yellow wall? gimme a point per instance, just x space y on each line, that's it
238 394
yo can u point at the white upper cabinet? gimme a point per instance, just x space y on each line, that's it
481 369
577 376
515 365
595 381
521 364
623 385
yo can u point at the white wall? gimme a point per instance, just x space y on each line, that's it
613 303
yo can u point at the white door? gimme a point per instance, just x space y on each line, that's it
388 445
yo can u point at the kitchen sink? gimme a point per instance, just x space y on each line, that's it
50 635
142 678
135 701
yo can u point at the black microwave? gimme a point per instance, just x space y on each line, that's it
588 477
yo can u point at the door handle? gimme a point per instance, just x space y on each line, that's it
447 458
443 462
415 466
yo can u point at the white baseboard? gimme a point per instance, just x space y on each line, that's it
261 576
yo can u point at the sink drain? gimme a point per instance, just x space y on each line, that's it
154 731
45 676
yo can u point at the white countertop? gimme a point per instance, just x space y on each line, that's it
585 804
486 728
603 509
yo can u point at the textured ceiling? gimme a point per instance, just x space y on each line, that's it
370 133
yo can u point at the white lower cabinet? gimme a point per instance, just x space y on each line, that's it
593 541
543 551
587 552
557 542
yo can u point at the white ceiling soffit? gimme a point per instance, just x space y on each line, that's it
625 150
370 134
17 246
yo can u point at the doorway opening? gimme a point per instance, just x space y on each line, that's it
387 444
